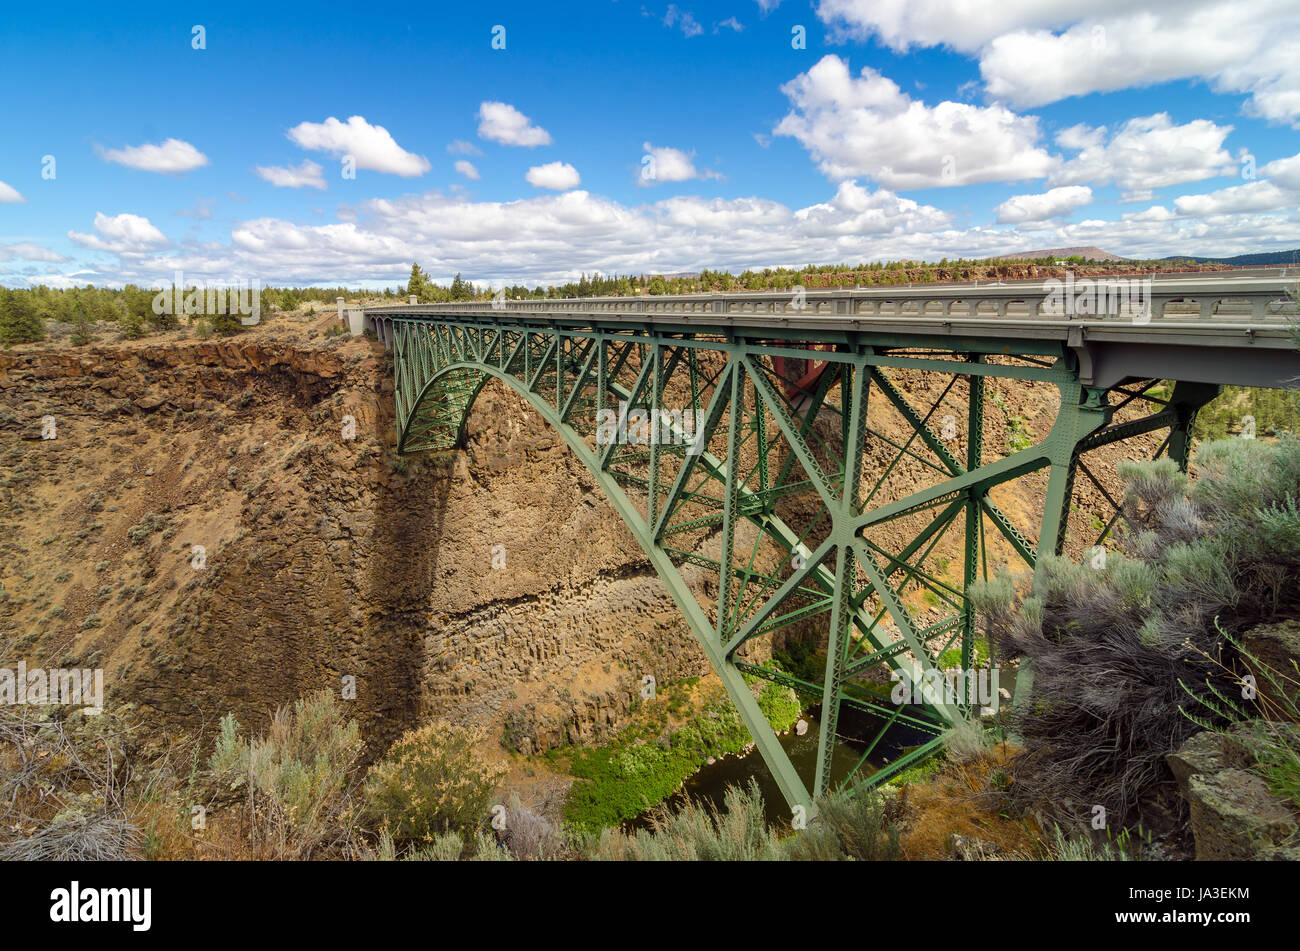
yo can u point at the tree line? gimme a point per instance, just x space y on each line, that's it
25 311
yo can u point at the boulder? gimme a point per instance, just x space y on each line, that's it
1235 816
1205 754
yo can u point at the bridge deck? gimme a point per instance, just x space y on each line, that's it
1210 328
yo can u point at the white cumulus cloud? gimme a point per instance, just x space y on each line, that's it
171 157
30 252
1032 52
9 195
664 164
1051 204
867 127
557 176
502 122
121 234
370 146
307 174
1284 172
1147 152
1253 196
466 168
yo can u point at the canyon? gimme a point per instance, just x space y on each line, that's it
491 586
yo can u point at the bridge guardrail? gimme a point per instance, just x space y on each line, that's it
1266 301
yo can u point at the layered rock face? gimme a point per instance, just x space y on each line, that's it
326 561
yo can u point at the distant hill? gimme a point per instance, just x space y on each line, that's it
1088 254
1246 260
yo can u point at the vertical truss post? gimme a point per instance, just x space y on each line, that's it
974 511
602 377
731 500
1083 411
656 408
1186 401
855 385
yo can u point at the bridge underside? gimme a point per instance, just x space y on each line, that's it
852 492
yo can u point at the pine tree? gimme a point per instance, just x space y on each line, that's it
19 320
83 332
418 283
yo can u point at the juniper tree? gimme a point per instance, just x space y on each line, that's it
19 320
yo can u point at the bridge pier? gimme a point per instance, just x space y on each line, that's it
356 321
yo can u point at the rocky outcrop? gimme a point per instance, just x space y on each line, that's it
1234 815
1272 653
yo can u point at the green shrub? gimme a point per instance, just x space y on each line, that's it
83 331
845 827
430 782
641 768
444 848
132 325
780 705
19 320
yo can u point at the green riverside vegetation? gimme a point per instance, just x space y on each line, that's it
646 763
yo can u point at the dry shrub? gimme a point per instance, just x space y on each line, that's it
963 799
63 780
533 827
736 833
1121 653
846 827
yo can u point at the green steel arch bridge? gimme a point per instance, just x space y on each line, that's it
804 461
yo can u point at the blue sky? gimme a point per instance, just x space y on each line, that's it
636 137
